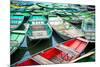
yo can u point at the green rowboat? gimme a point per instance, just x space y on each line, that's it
39 28
88 27
15 41
15 21
39 12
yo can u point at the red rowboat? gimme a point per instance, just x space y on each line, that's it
62 53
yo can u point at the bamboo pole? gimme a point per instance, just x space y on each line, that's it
86 55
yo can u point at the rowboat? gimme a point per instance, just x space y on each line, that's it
88 27
67 18
16 6
24 9
39 28
86 14
34 6
72 10
24 3
73 19
26 14
21 6
60 12
53 5
60 6
39 12
16 40
91 8
45 5
20 10
83 7
62 53
64 29
17 37
15 21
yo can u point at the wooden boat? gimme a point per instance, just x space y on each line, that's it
16 6
91 8
53 5
75 11
73 19
60 12
21 6
26 14
24 9
39 28
20 10
15 21
88 27
60 6
62 53
64 29
17 37
39 12
12 9
72 10
34 6
67 18
86 14
83 8
16 40
16 17
76 20
24 3
45 5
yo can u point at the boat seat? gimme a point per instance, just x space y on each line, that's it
58 60
22 31
41 60
67 50
84 40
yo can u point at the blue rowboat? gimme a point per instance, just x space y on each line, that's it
16 40
16 21
88 27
